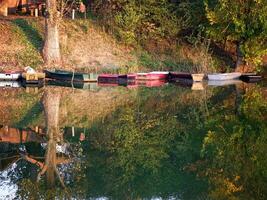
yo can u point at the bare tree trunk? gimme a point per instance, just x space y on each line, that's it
51 49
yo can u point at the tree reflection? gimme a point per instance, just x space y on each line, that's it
48 167
236 148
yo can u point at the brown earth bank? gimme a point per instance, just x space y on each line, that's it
83 45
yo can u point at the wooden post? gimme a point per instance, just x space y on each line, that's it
73 14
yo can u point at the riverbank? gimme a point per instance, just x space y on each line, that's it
85 46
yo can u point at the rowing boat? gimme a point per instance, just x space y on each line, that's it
224 76
116 78
179 75
155 75
250 77
10 75
70 76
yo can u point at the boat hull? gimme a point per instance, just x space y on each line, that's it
70 76
179 75
224 76
250 78
116 78
10 76
152 76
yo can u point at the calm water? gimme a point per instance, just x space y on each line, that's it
168 142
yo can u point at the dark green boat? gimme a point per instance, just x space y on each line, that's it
70 76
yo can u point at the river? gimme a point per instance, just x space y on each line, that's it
174 141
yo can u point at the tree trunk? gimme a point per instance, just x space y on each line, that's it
51 49
240 63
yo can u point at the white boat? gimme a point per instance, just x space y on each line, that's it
224 76
10 76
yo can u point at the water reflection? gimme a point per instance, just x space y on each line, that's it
169 142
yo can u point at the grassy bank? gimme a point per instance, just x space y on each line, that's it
85 46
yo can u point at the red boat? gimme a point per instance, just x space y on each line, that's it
156 75
116 78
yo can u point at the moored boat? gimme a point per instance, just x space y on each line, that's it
70 76
33 77
179 75
116 78
251 77
224 76
198 77
155 75
10 75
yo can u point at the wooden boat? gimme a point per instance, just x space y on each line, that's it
34 78
198 77
10 75
155 75
179 75
70 76
224 76
250 77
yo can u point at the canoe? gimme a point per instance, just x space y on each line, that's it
250 78
70 76
155 75
179 75
10 75
224 76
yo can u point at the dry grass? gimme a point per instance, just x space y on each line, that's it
88 47
84 45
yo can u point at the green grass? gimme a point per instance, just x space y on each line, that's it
27 33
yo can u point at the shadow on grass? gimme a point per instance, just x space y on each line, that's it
30 32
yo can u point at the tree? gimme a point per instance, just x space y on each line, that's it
243 22
51 49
